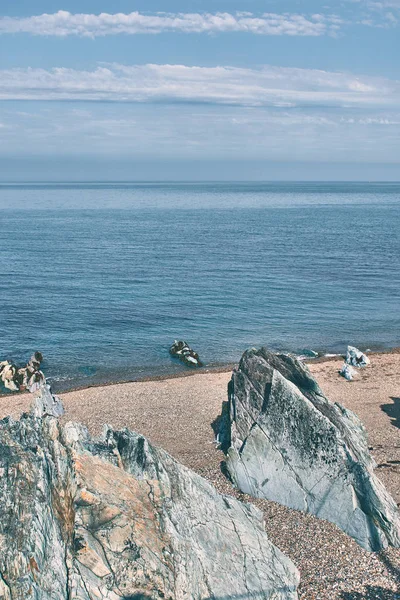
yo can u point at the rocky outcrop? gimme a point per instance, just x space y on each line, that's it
182 350
287 442
116 518
29 377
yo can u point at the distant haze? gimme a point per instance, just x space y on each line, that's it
84 169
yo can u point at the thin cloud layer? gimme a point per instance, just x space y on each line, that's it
64 23
379 13
267 86
200 132
383 5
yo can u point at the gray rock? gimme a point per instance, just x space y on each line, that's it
46 404
347 372
288 443
114 518
307 353
182 350
356 358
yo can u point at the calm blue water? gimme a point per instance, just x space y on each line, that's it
102 278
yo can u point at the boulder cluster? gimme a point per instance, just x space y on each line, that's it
182 350
18 379
115 518
354 358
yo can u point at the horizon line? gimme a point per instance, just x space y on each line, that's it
188 181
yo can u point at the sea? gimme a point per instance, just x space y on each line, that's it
103 277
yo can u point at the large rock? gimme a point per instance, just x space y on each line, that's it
114 518
288 443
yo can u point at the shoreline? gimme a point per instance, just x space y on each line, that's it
224 368
189 372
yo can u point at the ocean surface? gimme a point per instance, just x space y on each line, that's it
101 278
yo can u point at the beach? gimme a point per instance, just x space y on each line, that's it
179 414
198 199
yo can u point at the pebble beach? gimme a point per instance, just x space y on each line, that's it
180 415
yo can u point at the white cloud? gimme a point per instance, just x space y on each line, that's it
64 23
267 86
381 14
380 121
385 4
203 132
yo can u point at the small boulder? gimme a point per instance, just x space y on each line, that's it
307 353
19 379
35 361
182 350
7 375
347 372
356 358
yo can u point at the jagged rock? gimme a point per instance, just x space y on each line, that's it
18 379
288 443
183 351
7 374
36 360
347 372
47 404
356 358
115 518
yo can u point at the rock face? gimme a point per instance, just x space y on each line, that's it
115 518
288 443
182 350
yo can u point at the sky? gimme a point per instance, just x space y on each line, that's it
199 89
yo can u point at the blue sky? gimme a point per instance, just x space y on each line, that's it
194 89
